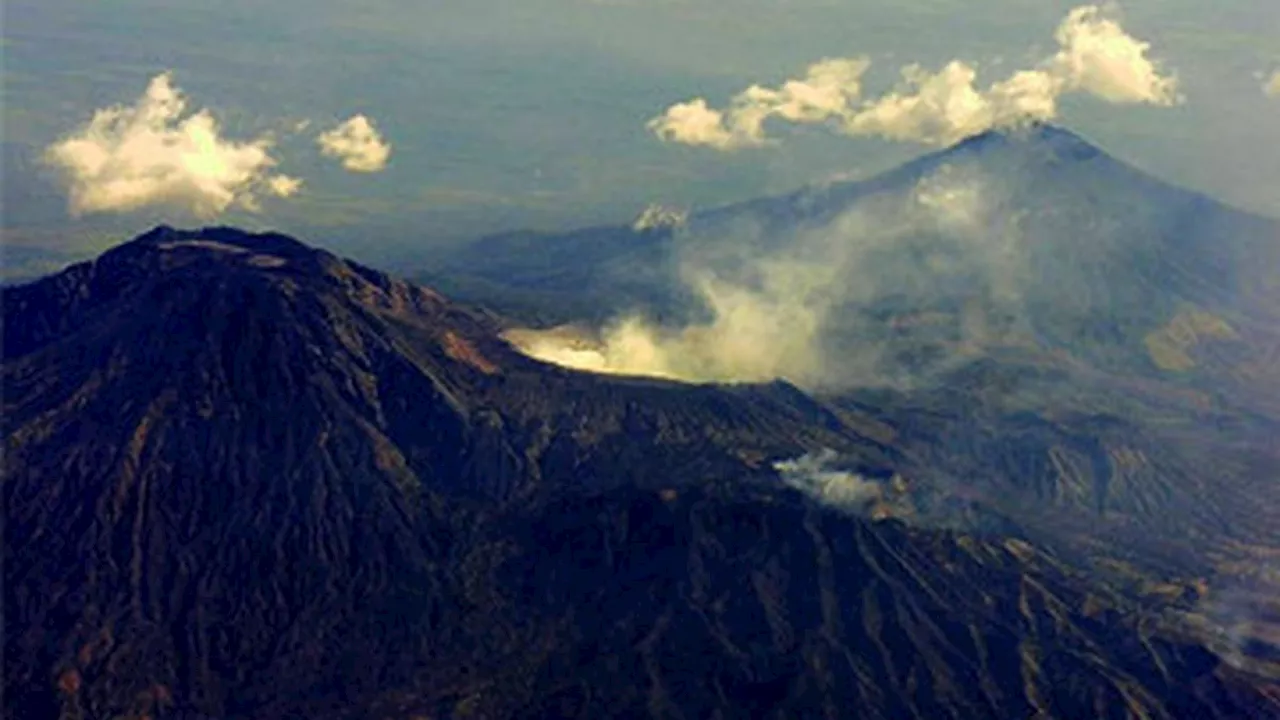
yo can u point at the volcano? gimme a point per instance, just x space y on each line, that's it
244 478
1029 239
1040 330
1020 281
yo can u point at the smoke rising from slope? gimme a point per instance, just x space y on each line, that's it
814 305
758 331
816 475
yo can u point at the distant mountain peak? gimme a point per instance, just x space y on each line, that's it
1030 135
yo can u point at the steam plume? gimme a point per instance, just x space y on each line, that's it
776 306
816 476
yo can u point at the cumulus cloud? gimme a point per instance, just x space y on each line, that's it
284 185
945 106
357 143
155 153
809 305
1098 57
1095 56
824 93
1271 88
694 123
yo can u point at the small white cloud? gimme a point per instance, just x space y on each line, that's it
694 123
825 92
946 106
929 107
1271 88
155 154
284 185
357 143
1095 56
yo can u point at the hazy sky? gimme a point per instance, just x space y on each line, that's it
500 115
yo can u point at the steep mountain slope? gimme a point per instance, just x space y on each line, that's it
1038 325
247 479
732 601
250 321
1031 238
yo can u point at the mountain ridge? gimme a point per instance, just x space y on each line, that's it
1094 363
594 274
249 488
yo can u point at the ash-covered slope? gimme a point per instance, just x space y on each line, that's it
248 479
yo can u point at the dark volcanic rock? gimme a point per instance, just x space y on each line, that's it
247 479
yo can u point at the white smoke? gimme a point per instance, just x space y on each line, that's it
1095 56
815 475
1271 87
153 153
357 143
1239 617
773 306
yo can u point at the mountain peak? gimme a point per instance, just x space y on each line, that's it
166 247
1029 136
228 238
222 251
180 270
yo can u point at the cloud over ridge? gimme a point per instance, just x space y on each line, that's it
155 153
1095 56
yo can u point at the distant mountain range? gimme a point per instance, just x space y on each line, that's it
245 478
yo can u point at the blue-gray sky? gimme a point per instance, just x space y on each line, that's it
507 114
